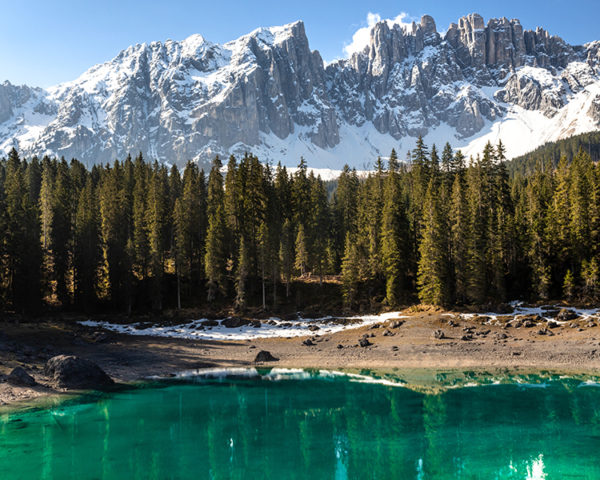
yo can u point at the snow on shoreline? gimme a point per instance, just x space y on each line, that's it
520 311
277 328
271 328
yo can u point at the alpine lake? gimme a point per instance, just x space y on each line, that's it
312 424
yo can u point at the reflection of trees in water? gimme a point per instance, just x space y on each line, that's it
311 430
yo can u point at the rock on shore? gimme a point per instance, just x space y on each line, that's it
66 371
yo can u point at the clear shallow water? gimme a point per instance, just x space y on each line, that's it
330 427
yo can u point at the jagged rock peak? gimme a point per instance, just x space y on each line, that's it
428 25
504 43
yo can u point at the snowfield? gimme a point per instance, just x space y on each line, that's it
270 328
277 328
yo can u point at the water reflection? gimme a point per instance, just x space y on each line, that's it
318 428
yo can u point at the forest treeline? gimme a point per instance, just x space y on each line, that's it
554 151
436 228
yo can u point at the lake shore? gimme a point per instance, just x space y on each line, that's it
417 340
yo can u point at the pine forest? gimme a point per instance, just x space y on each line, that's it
432 228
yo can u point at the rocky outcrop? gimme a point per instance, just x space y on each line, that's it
20 378
72 372
270 93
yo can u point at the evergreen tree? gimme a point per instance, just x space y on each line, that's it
349 272
115 273
87 252
372 219
590 275
215 260
141 248
433 281
22 233
190 229
459 232
319 226
569 285
345 205
446 167
538 193
477 264
242 275
301 251
394 236
157 222
286 253
61 235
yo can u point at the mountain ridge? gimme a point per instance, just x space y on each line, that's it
269 93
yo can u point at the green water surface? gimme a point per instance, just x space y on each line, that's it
321 427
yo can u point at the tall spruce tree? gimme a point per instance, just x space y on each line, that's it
215 259
115 273
394 235
86 251
62 231
433 279
459 231
22 234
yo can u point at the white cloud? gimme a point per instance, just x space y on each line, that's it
360 39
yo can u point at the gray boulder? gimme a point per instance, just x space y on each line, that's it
235 322
71 372
265 356
20 378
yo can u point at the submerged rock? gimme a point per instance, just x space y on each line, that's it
265 356
20 378
66 371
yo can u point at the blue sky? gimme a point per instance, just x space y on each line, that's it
43 42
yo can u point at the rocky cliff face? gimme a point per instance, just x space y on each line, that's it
269 93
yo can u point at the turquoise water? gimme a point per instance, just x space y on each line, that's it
332 427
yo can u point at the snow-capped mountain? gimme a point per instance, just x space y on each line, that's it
269 93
